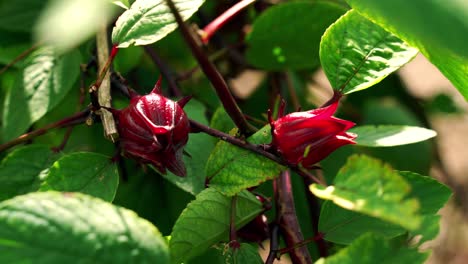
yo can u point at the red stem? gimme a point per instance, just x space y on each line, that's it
20 57
259 149
216 24
218 82
288 221
69 121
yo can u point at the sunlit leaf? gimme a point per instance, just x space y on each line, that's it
390 135
367 186
356 53
149 21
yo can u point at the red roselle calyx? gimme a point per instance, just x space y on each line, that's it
305 138
154 130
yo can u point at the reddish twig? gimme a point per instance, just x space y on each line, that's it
213 75
164 70
259 149
216 24
20 57
69 121
288 222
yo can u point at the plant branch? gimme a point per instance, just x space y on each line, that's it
20 57
213 75
166 72
259 149
288 222
216 24
69 121
273 254
103 84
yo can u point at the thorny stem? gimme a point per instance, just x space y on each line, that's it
216 24
259 149
69 121
288 222
164 70
213 75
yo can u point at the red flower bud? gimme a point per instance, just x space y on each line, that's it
308 137
154 129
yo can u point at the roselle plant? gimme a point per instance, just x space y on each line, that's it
100 165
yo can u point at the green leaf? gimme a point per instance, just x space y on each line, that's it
294 42
356 53
428 230
221 120
149 21
367 186
390 135
442 103
205 222
246 254
52 227
343 226
444 44
432 195
84 172
199 147
12 44
45 81
128 59
20 15
22 170
232 169
61 26
370 249
122 3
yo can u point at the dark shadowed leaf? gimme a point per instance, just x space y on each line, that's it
23 169
246 254
20 15
84 172
370 249
343 226
287 36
